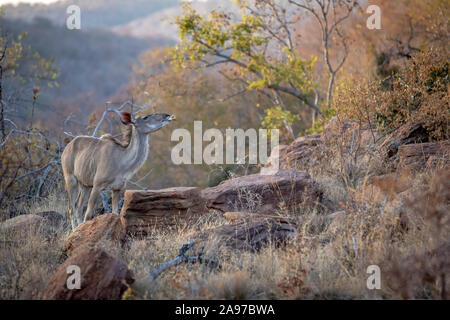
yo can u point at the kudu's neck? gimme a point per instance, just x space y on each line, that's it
136 152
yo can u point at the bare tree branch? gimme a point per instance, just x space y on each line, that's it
321 12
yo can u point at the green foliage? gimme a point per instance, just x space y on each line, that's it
243 43
43 70
32 67
13 54
276 118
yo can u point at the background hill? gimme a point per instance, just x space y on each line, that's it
158 24
99 13
94 62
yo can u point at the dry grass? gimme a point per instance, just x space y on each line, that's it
27 260
328 261
403 231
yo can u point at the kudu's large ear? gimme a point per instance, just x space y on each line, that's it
126 118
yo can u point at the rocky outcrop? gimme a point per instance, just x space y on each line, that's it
296 155
247 234
410 133
102 277
288 189
421 155
106 227
265 194
144 210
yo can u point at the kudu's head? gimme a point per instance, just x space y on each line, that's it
148 123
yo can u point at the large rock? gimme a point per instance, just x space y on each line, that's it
248 235
40 221
106 227
420 155
296 155
409 133
21 226
299 153
265 194
144 210
103 277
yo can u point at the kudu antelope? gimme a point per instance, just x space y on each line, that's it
91 165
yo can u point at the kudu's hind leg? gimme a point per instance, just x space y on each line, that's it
83 196
92 202
72 189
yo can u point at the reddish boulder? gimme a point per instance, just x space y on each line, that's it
144 210
296 155
106 227
265 194
102 277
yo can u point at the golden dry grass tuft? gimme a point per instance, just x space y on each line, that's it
27 261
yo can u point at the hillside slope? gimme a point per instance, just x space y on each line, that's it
93 64
94 14
158 24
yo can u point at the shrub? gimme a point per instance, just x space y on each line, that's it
29 170
418 92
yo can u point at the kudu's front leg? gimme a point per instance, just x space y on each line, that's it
92 202
115 201
83 196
